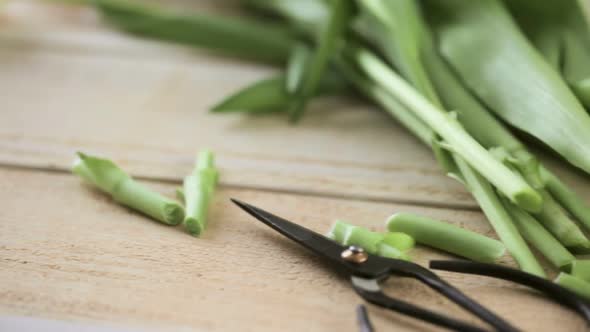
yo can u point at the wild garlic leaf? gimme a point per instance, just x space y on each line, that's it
495 60
240 37
327 43
267 95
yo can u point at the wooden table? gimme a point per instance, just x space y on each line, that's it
67 253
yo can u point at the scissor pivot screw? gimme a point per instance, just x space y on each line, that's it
354 254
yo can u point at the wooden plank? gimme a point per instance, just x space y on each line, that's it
67 252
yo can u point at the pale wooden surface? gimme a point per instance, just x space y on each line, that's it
77 256
66 252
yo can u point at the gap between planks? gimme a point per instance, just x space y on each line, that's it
296 192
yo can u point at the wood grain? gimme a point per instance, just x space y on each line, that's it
68 252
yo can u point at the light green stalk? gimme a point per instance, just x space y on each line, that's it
396 27
501 221
385 250
251 39
567 197
398 240
198 189
574 284
482 43
109 178
581 269
447 237
388 103
540 238
457 139
559 224
391 245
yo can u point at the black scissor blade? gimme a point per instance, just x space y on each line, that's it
305 237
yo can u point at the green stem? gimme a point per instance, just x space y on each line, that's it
559 224
486 197
447 237
512 185
581 269
109 178
389 104
539 237
574 284
391 245
198 191
136 196
567 197
490 203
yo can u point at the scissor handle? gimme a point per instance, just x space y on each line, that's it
449 291
559 294
369 290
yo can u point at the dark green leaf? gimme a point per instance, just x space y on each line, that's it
233 36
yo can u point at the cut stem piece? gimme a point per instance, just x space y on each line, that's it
390 245
198 191
581 269
445 125
447 237
109 178
574 284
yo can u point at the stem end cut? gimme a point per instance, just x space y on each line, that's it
529 200
173 214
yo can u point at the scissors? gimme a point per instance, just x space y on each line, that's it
367 272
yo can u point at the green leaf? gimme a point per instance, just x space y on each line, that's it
268 95
307 15
560 32
296 67
482 43
327 44
234 36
